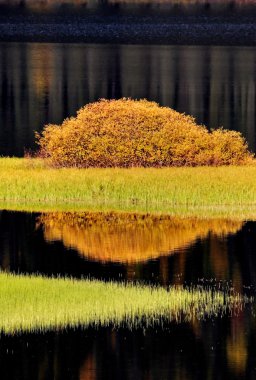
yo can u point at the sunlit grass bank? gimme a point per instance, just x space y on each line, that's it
203 191
37 303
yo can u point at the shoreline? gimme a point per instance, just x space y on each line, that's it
130 30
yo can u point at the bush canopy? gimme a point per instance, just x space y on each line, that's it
129 133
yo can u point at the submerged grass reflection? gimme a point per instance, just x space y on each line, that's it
30 303
127 237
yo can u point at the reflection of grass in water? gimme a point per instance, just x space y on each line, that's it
129 237
29 303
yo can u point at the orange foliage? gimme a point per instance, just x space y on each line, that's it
127 133
237 347
128 238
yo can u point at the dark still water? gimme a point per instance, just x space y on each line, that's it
160 250
221 350
45 83
155 250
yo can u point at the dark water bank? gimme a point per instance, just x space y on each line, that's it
133 30
211 253
217 253
129 22
45 83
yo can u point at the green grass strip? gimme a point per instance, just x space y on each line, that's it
27 184
31 303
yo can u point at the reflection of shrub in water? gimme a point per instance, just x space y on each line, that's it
129 237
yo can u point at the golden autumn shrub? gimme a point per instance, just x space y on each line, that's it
126 133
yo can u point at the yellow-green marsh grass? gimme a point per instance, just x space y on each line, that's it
30 303
28 184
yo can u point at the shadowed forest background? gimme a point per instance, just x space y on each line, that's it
45 83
